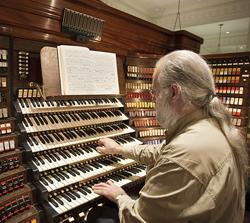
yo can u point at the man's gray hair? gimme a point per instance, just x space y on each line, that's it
191 72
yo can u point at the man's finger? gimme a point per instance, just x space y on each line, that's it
100 185
98 191
100 141
110 182
100 149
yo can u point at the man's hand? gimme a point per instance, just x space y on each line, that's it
108 146
108 190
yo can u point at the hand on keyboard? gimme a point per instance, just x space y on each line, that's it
108 146
108 190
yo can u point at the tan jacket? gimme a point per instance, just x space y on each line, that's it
193 178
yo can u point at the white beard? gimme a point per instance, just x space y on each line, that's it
165 115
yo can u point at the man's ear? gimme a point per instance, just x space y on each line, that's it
176 92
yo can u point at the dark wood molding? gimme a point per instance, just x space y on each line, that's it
123 33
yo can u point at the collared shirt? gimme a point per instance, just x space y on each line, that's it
192 178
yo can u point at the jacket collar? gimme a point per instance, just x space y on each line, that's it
184 122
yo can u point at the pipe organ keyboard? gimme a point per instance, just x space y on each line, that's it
60 139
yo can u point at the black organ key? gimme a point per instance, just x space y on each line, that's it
56 156
82 191
75 171
51 138
25 122
82 169
66 135
49 180
41 103
60 118
77 152
54 202
29 121
51 119
59 200
79 133
66 197
67 154
33 102
34 140
85 188
56 136
71 195
75 194
72 152
37 102
36 161
45 119
48 158
40 160
60 136
82 132
88 167
56 177
73 133
71 172
52 157
44 138
65 174
21 102
64 117
88 116
58 173
30 141
55 119
62 154
44 181
75 117
40 120
36 120
69 117
47 103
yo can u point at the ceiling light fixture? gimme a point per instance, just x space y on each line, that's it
227 32
178 16
219 40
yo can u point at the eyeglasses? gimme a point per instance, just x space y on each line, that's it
153 93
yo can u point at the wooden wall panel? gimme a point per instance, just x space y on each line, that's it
41 20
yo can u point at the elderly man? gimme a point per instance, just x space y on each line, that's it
199 174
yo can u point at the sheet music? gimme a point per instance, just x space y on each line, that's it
87 72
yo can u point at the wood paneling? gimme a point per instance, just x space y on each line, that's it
41 20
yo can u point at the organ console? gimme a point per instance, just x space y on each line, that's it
48 159
60 138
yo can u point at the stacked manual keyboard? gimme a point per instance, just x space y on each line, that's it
60 138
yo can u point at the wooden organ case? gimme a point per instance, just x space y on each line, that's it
51 143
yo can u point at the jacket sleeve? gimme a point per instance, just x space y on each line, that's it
168 191
146 154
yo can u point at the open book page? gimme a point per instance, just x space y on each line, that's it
103 78
85 72
74 63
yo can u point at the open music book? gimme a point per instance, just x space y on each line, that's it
81 71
